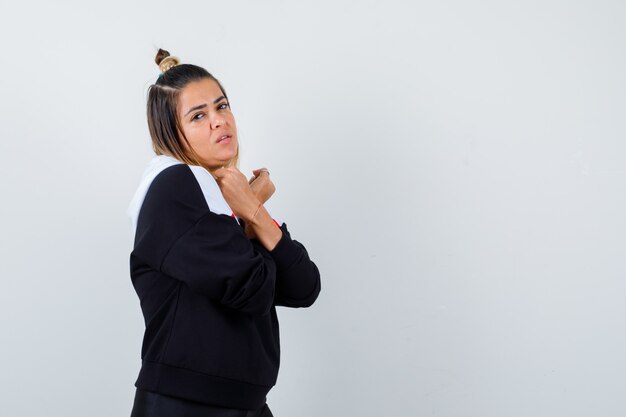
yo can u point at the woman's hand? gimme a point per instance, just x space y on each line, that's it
237 191
261 185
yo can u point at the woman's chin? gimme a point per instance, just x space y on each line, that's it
220 160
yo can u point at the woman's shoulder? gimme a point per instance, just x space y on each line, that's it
166 203
173 192
189 186
175 187
172 180
161 176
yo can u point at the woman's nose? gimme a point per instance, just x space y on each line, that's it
217 122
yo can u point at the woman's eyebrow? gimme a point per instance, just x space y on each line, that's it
201 106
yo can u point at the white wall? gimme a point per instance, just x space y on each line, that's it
455 169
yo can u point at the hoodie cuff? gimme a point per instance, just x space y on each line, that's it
286 252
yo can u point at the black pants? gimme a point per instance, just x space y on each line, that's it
151 404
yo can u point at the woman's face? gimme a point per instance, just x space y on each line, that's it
205 117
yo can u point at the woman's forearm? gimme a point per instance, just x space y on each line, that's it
264 228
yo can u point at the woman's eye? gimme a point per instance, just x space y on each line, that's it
220 107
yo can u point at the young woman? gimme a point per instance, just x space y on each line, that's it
209 262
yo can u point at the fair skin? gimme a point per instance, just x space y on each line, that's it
205 116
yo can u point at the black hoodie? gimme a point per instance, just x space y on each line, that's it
208 293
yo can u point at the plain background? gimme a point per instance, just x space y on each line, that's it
455 169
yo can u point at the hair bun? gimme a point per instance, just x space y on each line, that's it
165 61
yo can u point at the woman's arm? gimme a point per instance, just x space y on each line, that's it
263 188
264 228
215 258
177 236
241 198
297 277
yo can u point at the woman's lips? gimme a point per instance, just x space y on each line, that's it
226 139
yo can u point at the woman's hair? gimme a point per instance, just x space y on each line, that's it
162 106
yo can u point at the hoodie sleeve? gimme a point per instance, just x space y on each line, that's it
180 237
297 277
214 257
